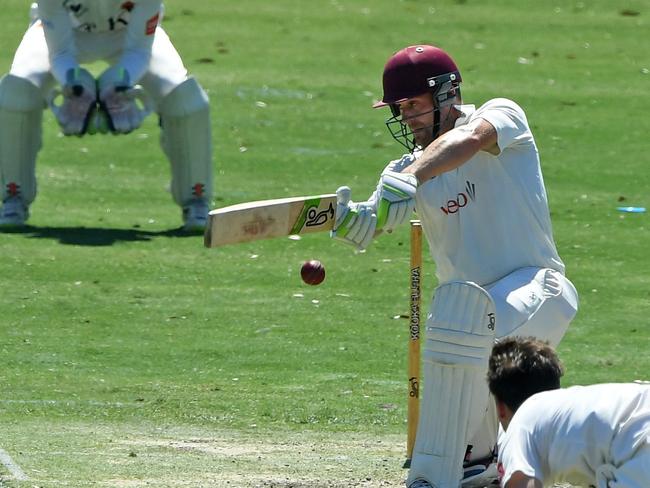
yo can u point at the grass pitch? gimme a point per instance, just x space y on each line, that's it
132 356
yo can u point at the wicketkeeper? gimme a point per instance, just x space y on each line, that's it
473 176
145 72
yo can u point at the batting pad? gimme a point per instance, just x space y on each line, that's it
21 117
459 339
186 139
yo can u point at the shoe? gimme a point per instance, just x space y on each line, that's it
195 215
14 213
480 476
421 484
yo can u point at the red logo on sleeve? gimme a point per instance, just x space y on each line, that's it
152 23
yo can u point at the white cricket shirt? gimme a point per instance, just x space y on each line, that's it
567 434
67 23
490 216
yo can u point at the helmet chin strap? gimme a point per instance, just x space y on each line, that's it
435 129
442 102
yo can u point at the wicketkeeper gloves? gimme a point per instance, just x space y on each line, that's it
79 95
121 101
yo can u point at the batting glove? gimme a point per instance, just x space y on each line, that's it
355 223
396 198
78 98
125 106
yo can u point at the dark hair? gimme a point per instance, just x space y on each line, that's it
520 367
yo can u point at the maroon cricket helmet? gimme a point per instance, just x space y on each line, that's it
413 71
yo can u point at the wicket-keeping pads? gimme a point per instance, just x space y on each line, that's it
186 139
459 338
21 114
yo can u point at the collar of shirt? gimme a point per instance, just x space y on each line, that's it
466 112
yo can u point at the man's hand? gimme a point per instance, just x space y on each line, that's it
396 196
355 223
79 95
122 103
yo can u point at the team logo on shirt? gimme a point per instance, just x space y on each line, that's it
462 199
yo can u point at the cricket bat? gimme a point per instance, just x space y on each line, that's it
265 219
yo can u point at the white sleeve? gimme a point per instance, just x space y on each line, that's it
508 119
136 56
517 452
59 37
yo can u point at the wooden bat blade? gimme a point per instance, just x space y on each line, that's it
265 219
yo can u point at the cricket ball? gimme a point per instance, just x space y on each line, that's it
312 272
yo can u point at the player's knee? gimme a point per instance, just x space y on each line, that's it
19 95
186 99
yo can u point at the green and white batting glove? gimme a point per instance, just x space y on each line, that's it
396 196
355 223
74 103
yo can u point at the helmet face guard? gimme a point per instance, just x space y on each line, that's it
414 71
444 89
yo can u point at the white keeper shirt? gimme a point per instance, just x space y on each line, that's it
92 22
567 434
490 216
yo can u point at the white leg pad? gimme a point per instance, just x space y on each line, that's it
186 139
459 338
21 116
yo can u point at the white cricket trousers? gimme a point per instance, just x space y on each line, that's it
166 70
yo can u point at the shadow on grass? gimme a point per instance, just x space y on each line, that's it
96 236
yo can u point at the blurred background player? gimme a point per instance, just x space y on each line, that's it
474 177
63 36
597 435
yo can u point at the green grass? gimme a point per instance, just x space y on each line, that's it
125 344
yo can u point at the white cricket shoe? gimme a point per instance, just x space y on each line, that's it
421 484
195 215
14 213
480 476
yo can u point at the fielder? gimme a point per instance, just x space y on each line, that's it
596 435
474 177
64 35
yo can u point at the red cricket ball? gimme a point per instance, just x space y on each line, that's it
312 272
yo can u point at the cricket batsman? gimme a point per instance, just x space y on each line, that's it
144 71
473 176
